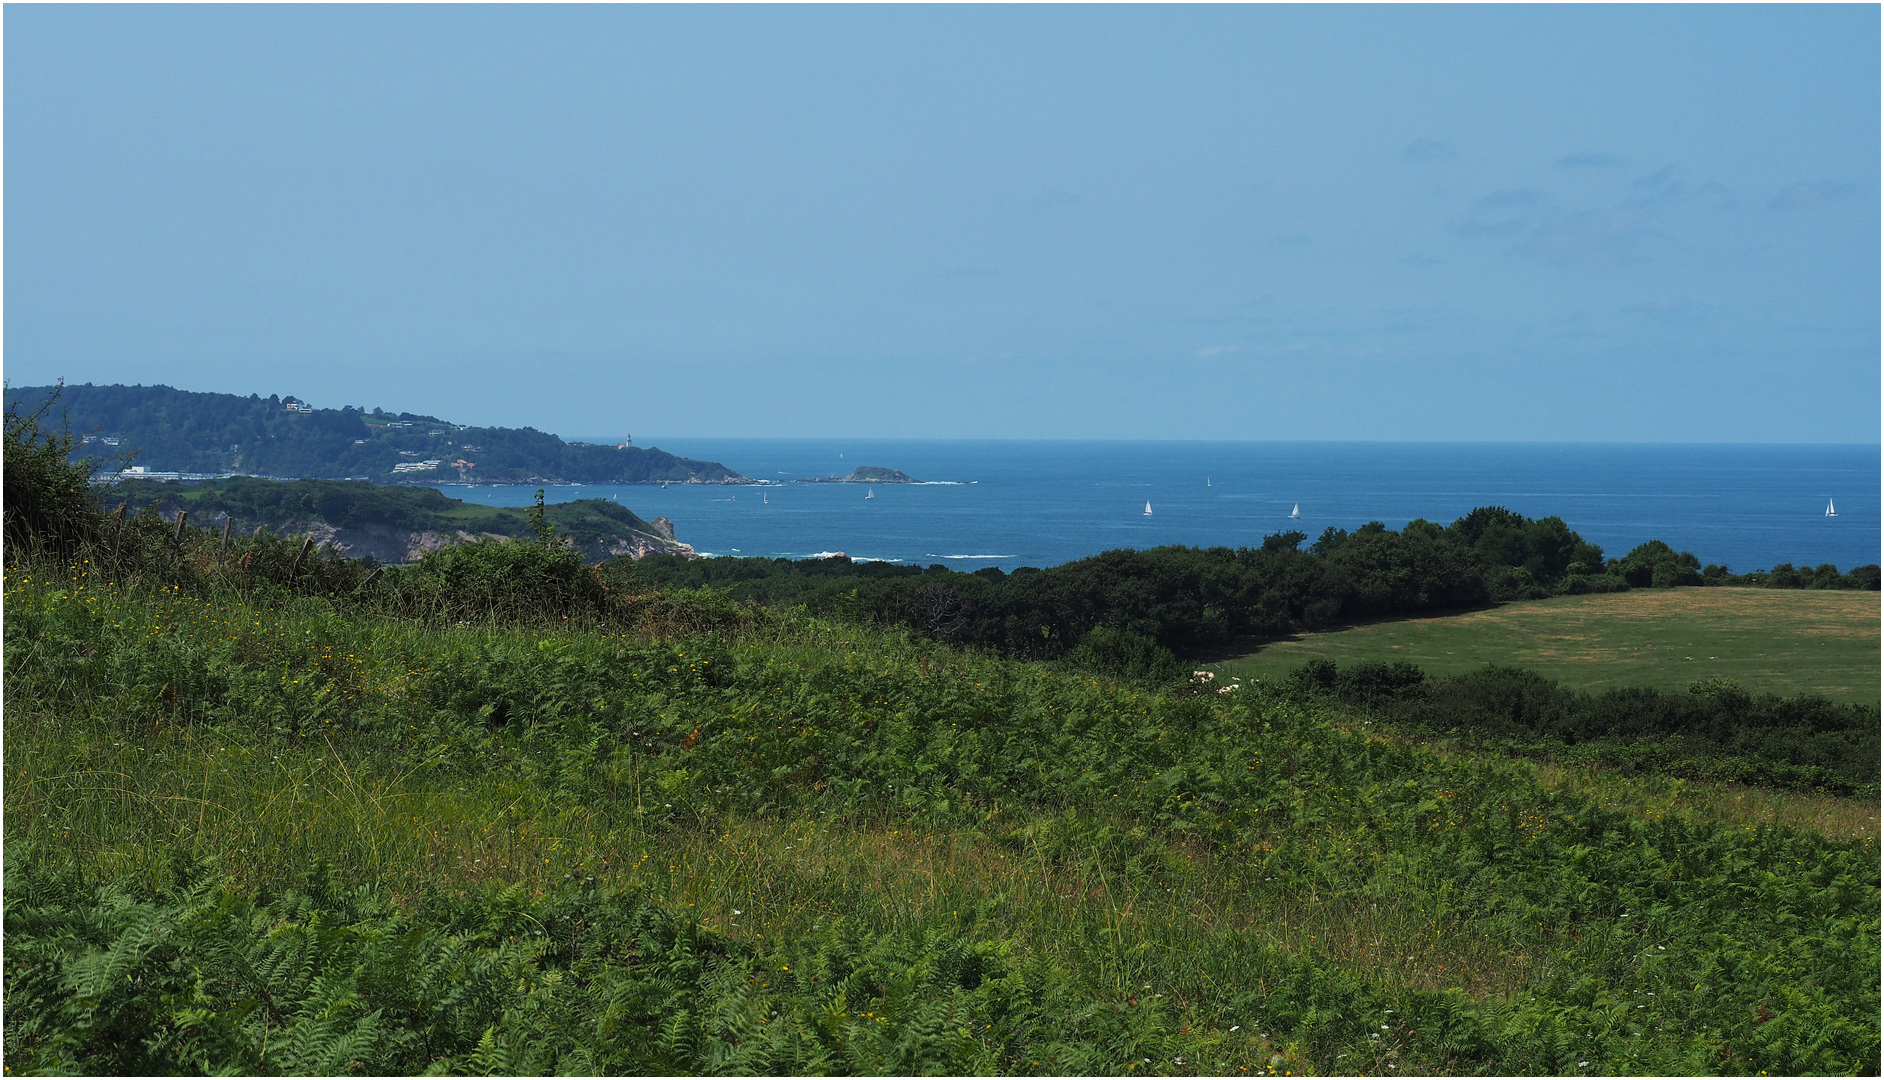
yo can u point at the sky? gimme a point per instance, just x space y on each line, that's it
1535 223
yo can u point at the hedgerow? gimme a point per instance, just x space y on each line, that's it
1716 731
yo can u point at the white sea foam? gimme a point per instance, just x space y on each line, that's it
970 556
852 558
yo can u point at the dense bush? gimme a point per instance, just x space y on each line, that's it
1127 657
1786 576
1656 565
1715 731
49 506
494 580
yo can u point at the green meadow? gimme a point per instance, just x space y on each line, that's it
1776 641
254 832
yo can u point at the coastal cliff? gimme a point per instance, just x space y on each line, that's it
390 544
183 432
396 524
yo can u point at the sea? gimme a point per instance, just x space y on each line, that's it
1041 503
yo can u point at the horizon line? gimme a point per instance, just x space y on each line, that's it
651 439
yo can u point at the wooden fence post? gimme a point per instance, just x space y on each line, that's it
222 553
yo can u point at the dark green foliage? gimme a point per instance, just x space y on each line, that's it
328 981
1367 682
179 431
1193 601
1380 572
1657 565
778 582
597 527
1187 600
1716 731
1544 548
495 581
877 474
1127 657
49 507
344 504
1786 576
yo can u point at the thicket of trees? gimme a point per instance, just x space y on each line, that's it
1192 601
173 430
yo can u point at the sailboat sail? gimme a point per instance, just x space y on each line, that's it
1147 507
1830 511
1297 512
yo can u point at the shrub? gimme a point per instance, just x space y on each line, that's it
49 504
496 581
1719 730
1127 657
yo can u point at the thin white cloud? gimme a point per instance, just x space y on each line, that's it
1544 230
1428 150
1590 237
1589 159
1809 193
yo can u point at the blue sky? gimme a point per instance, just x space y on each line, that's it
1531 223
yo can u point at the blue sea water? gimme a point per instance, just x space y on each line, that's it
1011 504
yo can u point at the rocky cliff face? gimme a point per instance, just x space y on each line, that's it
659 540
387 544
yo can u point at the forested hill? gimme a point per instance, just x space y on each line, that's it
181 431
394 524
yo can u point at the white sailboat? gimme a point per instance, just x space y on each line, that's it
870 494
1206 481
764 499
1830 511
1297 512
1147 507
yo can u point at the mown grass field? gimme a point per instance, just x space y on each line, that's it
799 846
1775 641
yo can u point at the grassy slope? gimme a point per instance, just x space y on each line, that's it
1773 640
1266 890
